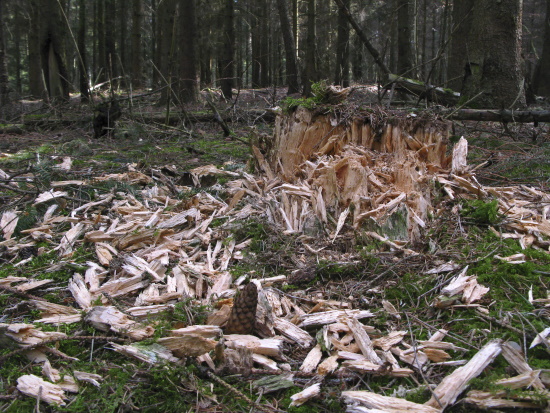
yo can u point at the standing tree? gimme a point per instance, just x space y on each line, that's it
81 43
290 48
310 70
51 44
341 76
165 47
541 79
137 57
4 89
493 73
188 75
36 83
228 49
462 22
404 34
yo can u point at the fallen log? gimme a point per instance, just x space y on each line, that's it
490 115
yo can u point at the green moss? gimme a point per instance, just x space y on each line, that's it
481 212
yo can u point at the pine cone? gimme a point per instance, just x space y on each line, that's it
243 314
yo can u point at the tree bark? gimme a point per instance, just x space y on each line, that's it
166 43
310 70
341 76
228 50
36 81
4 87
51 43
292 77
81 42
189 81
541 79
461 26
102 74
494 69
137 57
404 48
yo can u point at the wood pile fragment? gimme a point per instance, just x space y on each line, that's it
326 179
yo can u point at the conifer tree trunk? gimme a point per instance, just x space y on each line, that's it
310 72
188 76
81 42
166 44
4 87
494 71
36 82
290 49
101 54
137 57
404 48
228 50
541 80
341 77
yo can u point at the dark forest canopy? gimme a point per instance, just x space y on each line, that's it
492 52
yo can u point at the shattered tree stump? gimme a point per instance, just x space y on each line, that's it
366 162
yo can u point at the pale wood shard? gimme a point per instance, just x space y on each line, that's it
513 355
271 347
10 279
328 366
454 384
387 342
152 354
188 345
265 362
80 292
379 403
293 332
436 355
121 286
413 356
112 319
31 285
331 317
312 359
49 195
56 313
65 247
368 367
363 340
38 388
541 337
206 331
27 334
144 311
308 393
459 163
527 380
91 378
500 400
8 222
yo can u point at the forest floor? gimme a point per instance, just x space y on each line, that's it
145 162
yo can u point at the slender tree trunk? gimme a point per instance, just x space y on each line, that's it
541 79
52 36
461 26
81 42
341 77
36 83
290 50
4 86
310 72
227 54
494 71
110 51
101 47
17 47
166 18
404 49
123 34
137 53
258 36
189 79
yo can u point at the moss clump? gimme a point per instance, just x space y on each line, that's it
481 212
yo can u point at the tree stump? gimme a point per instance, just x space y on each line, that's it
367 163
